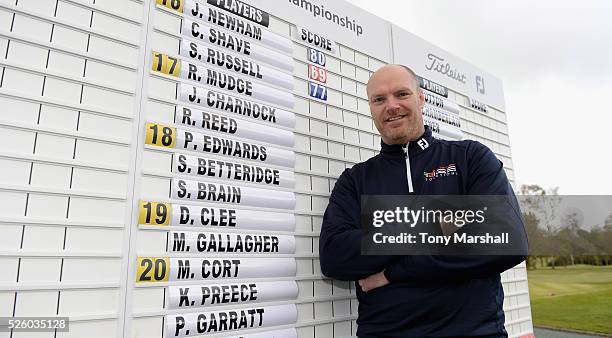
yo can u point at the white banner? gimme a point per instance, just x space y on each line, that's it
237 127
437 65
449 132
213 16
198 242
439 102
231 42
338 20
451 119
208 167
236 84
232 194
237 64
189 296
221 146
200 323
227 103
315 40
198 216
182 269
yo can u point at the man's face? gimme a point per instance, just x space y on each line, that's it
395 103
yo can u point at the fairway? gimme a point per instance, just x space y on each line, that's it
576 298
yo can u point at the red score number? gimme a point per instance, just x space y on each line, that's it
317 74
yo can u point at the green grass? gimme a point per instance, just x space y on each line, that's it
576 298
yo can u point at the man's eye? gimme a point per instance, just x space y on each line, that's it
378 99
402 94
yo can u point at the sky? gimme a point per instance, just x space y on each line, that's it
555 61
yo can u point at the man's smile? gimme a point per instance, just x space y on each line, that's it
394 118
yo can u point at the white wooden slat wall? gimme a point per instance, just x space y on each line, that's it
68 97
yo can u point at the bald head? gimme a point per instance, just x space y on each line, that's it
386 70
396 102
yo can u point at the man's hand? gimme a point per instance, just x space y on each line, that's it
374 281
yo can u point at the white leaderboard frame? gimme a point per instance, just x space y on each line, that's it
166 163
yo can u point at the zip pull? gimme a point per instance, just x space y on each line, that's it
408 174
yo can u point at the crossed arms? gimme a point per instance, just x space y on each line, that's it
340 240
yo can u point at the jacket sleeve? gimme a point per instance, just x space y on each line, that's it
340 239
485 176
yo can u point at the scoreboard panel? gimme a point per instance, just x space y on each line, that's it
167 163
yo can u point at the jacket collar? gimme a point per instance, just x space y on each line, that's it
414 147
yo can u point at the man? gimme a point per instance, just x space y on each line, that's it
415 296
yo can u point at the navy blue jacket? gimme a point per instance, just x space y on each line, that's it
428 296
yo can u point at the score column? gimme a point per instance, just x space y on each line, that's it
226 156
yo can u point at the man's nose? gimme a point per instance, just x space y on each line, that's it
392 104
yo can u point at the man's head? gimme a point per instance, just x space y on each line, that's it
396 101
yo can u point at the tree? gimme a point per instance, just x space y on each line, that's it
542 205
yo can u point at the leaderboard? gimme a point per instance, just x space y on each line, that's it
176 187
440 113
232 175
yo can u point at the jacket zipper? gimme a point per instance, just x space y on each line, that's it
408 174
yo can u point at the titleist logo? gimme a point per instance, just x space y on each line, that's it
438 64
